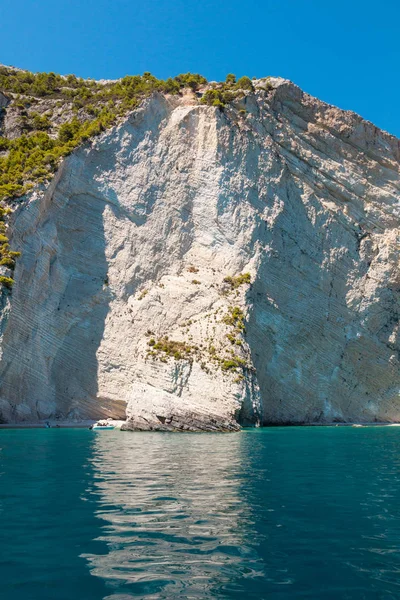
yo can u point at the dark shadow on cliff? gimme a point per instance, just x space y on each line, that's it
82 309
299 312
58 309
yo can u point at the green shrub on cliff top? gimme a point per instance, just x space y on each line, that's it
244 83
217 97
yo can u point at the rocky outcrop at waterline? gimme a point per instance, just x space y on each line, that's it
196 267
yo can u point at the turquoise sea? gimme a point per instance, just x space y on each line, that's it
274 513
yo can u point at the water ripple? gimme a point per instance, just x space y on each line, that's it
177 522
279 513
299 513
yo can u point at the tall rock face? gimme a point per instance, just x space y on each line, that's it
194 268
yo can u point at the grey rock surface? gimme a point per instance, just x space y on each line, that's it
4 100
120 308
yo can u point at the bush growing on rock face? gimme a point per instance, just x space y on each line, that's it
191 80
4 143
40 122
225 93
68 131
244 83
172 348
171 86
212 98
235 318
233 363
6 281
7 261
217 97
235 282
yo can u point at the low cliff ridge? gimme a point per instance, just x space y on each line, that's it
198 267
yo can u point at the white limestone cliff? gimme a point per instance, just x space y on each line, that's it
125 256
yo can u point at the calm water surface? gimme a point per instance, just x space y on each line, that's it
274 513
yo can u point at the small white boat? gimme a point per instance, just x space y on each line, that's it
100 427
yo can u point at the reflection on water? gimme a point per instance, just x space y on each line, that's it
283 513
177 525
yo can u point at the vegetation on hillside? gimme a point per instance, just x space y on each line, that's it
235 282
50 115
226 92
93 106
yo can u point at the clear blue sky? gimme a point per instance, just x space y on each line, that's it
346 52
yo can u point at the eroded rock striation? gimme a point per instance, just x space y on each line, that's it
196 268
